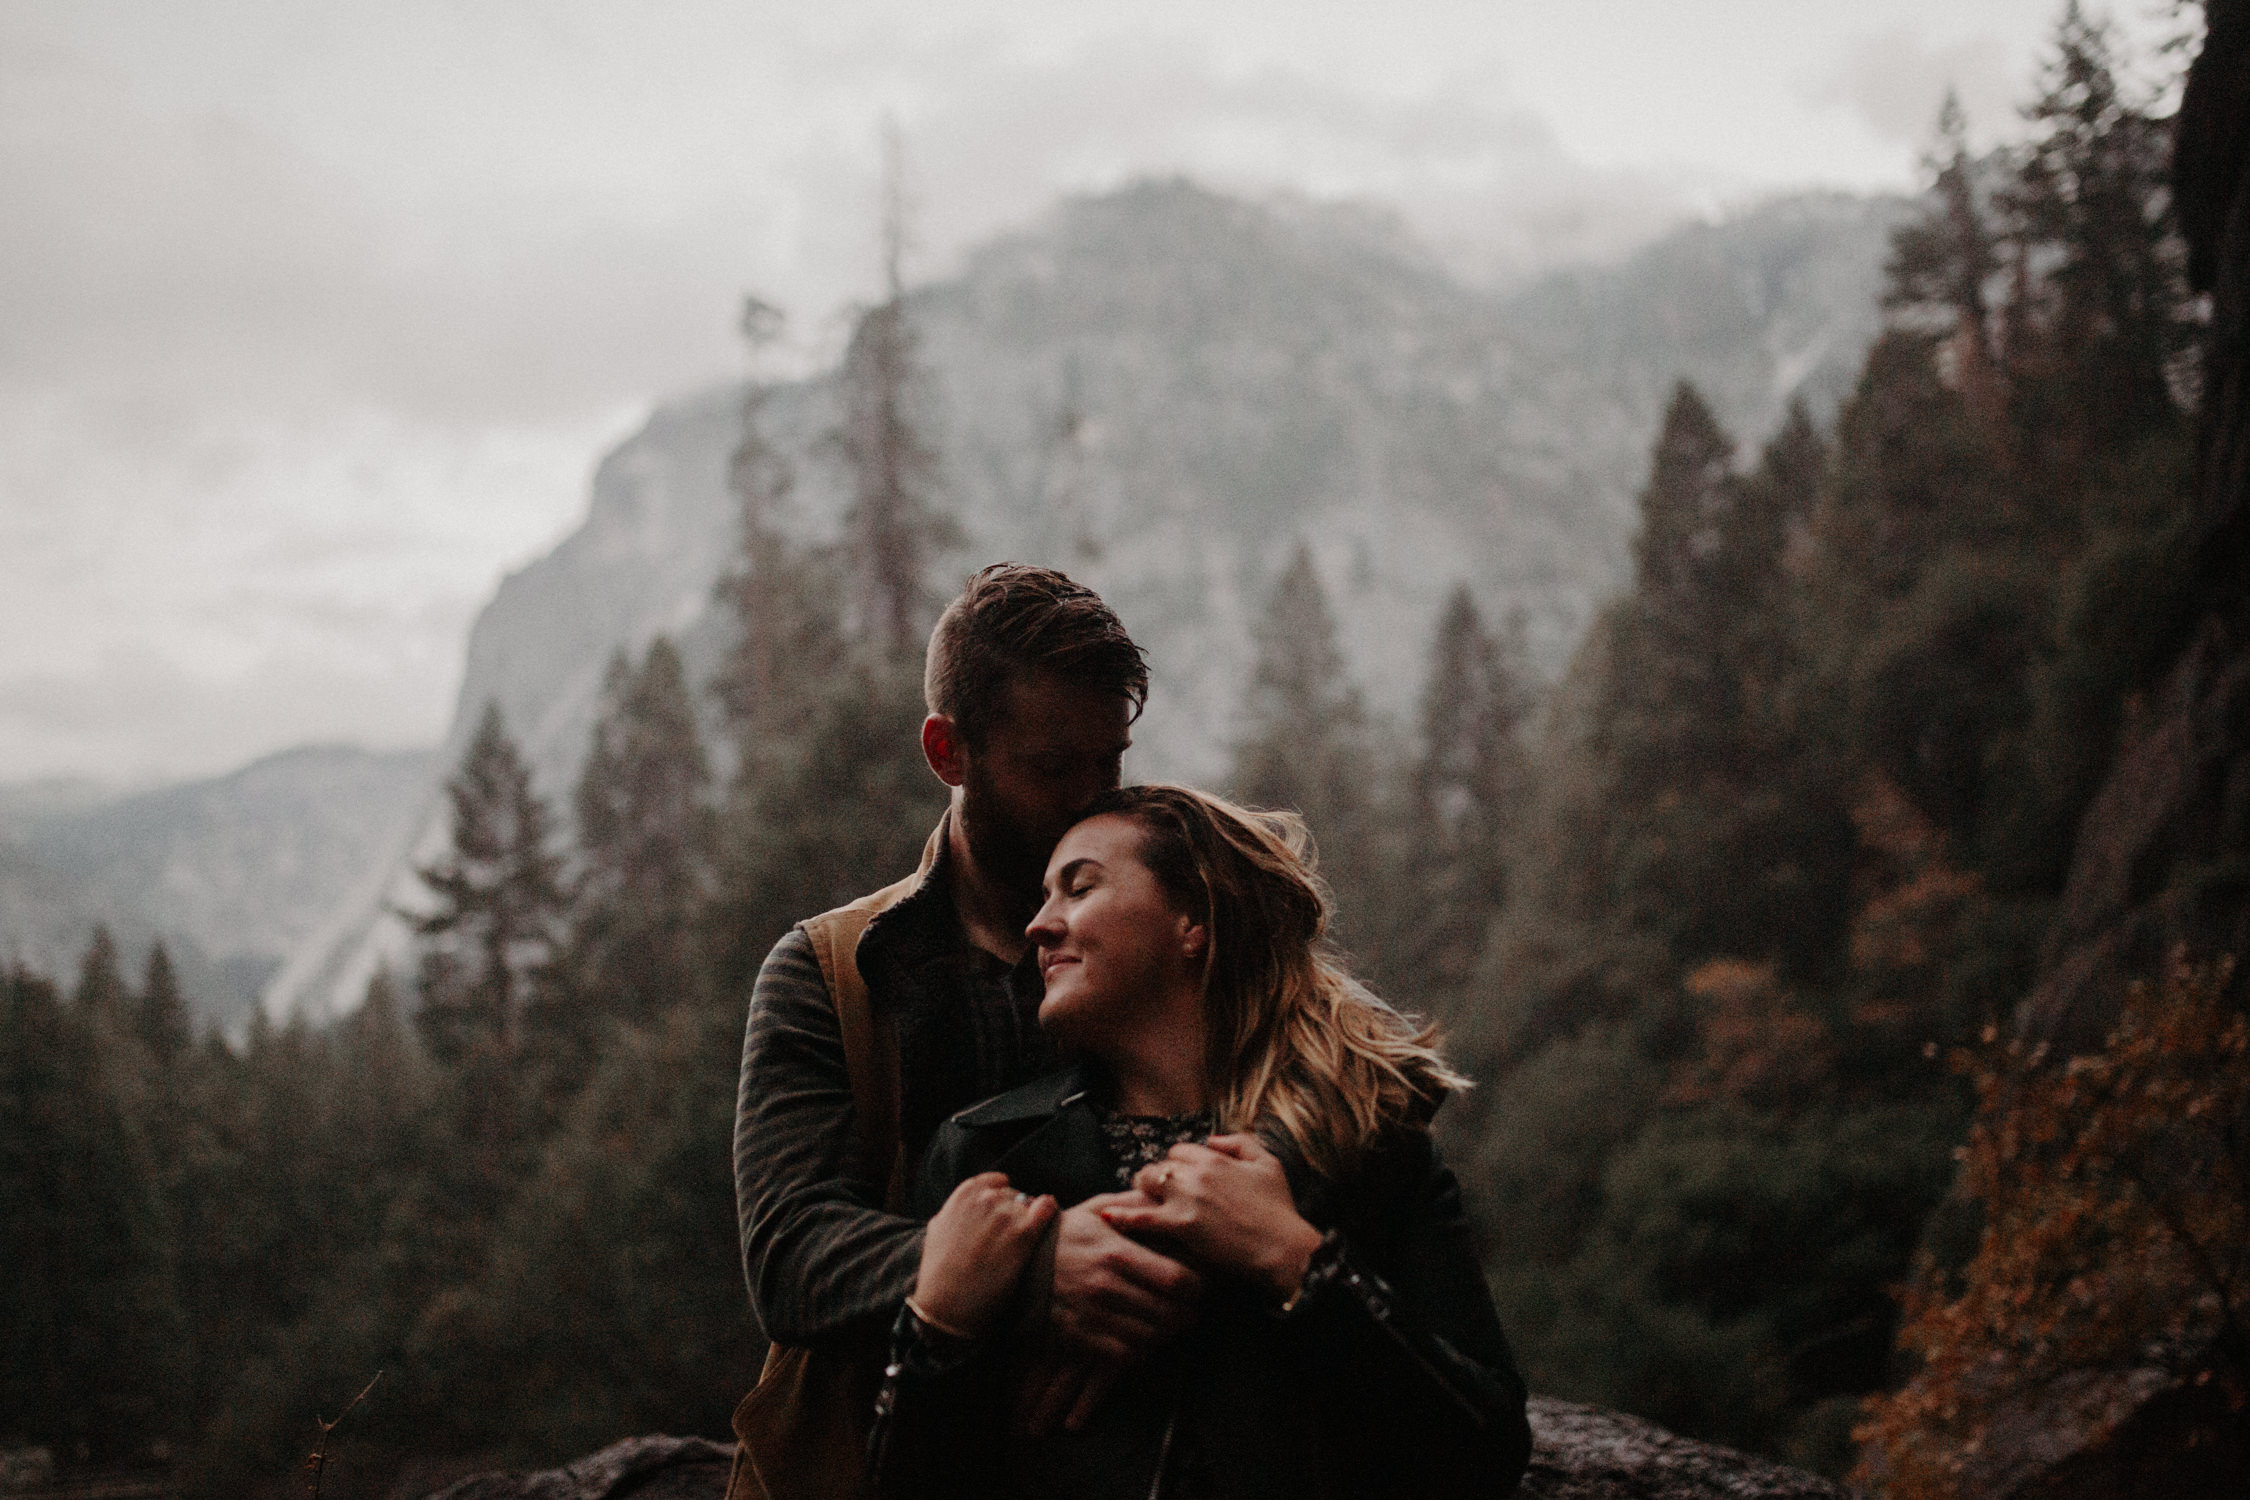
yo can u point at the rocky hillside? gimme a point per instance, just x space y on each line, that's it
2162 859
235 873
1163 390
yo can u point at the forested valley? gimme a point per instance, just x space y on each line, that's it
1734 924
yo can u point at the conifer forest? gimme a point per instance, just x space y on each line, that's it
1853 1001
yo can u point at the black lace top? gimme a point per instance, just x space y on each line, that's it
1137 1141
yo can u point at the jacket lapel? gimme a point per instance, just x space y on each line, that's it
1065 1157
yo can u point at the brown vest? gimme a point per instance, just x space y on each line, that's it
803 1428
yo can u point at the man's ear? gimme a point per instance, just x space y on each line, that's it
942 748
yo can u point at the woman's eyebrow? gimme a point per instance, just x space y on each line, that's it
1062 876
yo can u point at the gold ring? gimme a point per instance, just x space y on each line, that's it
1164 1178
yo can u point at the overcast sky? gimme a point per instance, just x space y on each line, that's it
313 318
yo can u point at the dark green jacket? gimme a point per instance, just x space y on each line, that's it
1390 1377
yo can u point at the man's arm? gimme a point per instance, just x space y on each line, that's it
818 1251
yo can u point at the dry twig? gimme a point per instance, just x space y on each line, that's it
316 1462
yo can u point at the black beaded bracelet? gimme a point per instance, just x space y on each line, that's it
1324 1266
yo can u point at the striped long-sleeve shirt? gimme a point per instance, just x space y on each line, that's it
819 1252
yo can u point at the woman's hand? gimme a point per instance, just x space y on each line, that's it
1227 1204
975 1250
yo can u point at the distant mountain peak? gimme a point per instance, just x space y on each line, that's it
1241 375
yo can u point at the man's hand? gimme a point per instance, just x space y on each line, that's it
1227 1203
1113 1301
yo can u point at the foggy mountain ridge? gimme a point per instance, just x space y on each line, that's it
234 872
1242 376
1162 390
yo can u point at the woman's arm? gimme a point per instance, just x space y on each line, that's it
1388 1317
1400 1341
938 1404
974 1252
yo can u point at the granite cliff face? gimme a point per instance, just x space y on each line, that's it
2162 858
1163 391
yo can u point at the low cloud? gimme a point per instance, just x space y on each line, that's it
317 319
139 715
1484 183
1896 83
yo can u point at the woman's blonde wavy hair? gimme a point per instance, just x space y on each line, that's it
1296 1044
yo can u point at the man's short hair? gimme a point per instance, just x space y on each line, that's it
1011 619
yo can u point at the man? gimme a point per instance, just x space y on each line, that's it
1032 686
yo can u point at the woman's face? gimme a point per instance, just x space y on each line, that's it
1119 961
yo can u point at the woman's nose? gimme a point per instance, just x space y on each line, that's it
1047 927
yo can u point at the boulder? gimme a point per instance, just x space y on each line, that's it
644 1468
2164 1430
1585 1453
1578 1453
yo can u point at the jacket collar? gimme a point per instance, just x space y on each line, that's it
1045 1137
921 921
1036 1100
1058 1146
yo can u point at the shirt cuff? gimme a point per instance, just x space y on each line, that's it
919 1349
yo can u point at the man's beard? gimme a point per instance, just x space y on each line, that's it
1011 853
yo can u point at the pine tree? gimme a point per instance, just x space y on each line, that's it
1667 693
844 811
499 897
1720 830
1468 789
645 844
1306 744
86 1314
1774 509
1943 264
782 598
2090 205
813 778
101 995
1683 509
161 1020
893 525
1917 475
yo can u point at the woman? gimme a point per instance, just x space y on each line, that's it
1245 1105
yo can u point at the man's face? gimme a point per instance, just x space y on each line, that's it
1054 749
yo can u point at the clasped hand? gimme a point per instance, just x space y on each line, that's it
974 1252
1225 1205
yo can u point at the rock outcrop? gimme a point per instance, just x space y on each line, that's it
1585 1453
1578 1453
645 1468
2164 1430
2163 853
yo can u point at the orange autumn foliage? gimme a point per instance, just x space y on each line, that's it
1914 893
2116 1194
1759 1049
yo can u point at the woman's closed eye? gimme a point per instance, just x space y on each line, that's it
1080 877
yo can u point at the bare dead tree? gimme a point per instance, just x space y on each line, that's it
893 525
